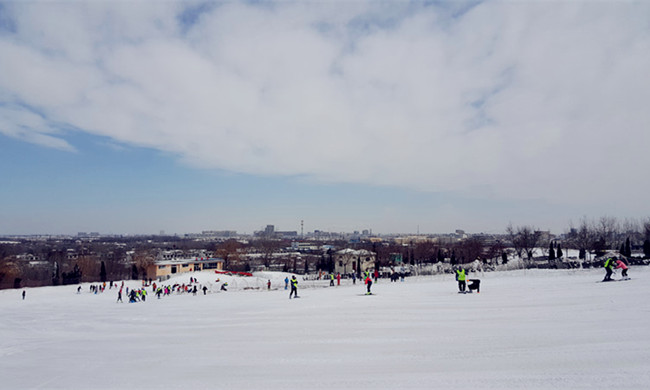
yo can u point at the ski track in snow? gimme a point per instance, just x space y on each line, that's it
532 329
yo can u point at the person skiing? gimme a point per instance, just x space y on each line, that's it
24 294
368 282
119 296
461 276
331 279
294 287
609 263
268 285
620 264
338 278
286 282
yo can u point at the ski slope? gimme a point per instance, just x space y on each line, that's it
533 329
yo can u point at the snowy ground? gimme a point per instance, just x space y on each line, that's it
535 329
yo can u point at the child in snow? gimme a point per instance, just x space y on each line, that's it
474 284
369 284
620 264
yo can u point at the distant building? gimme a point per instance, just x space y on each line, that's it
357 261
166 268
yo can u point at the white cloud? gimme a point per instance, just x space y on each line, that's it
527 100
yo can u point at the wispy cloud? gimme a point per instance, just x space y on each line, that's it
539 100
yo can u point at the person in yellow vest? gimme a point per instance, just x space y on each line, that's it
294 287
609 264
461 277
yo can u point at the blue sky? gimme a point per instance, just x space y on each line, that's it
136 117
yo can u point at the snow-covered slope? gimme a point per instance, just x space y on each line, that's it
526 329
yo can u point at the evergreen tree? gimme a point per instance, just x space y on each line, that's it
134 272
102 273
646 248
551 252
582 253
621 250
504 258
559 253
628 248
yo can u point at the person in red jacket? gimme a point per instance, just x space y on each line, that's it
620 264
369 284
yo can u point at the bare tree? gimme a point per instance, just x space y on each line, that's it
606 230
89 266
495 251
583 237
524 240
142 259
229 252
268 248
646 228
469 250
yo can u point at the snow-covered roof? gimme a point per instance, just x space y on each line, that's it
189 261
356 252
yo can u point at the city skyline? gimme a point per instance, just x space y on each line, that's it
137 117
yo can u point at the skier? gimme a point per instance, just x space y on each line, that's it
608 269
620 264
354 278
331 279
205 289
474 284
24 295
369 284
223 286
461 276
338 278
268 285
286 282
119 296
294 287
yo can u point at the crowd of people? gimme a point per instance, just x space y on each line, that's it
465 284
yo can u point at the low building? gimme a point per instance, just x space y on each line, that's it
356 261
166 268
